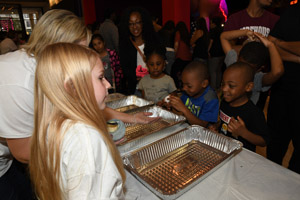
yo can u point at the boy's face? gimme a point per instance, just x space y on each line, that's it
192 85
235 88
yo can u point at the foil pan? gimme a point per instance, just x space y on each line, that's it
137 133
113 97
128 103
171 166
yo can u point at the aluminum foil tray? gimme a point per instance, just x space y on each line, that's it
139 131
171 166
114 96
128 103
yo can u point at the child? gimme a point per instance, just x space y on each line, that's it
156 85
111 62
199 102
240 118
72 155
255 54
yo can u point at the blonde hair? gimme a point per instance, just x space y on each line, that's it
63 91
56 26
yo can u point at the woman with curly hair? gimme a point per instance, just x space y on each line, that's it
136 32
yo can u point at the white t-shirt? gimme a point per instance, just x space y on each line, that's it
140 60
17 72
87 168
7 45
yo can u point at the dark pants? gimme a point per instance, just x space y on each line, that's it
283 119
15 183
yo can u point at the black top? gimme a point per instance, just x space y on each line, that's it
288 29
216 47
201 48
252 116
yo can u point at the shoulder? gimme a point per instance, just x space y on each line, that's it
237 16
210 94
80 134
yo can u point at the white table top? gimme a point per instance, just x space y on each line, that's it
246 176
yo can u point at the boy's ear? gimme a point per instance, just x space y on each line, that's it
205 83
249 86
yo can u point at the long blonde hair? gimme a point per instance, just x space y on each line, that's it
63 91
56 26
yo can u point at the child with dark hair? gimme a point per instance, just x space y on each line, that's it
156 85
199 103
239 117
255 53
111 62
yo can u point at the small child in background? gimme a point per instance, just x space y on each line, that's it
199 103
111 62
156 85
240 118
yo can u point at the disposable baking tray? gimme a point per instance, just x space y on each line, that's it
141 131
114 96
171 166
128 103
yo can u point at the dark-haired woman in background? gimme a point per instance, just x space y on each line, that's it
200 41
182 51
136 32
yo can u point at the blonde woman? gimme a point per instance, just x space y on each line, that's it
17 73
72 154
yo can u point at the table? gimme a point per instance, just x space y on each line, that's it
246 176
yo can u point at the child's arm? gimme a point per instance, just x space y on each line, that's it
177 104
227 36
238 127
277 68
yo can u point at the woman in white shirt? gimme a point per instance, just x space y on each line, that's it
72 154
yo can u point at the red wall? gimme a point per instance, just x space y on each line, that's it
176 10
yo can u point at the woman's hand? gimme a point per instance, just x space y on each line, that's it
144 118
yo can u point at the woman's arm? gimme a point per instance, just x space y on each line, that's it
285 55
20 148
140 118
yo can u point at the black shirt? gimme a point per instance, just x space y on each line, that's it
252 116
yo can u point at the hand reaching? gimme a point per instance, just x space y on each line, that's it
144 118
263 39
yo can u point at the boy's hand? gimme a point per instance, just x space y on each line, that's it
213 127
236 126
176 103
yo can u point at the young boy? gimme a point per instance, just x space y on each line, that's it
239 117
254 53
199 103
